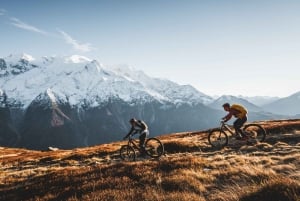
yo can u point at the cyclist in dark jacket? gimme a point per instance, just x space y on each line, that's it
139 126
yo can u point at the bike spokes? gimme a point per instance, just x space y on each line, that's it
127 153
217 138
154 148
255 131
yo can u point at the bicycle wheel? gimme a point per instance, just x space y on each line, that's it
255 131
127 153
154 148
217 138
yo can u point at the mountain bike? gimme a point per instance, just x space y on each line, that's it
219 137
153 148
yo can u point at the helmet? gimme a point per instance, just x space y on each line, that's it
132 120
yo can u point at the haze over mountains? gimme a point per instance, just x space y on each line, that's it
75 101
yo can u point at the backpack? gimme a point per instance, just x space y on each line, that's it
243 111
142 125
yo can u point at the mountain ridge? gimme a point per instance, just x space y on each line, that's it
69 78
75 101
286 106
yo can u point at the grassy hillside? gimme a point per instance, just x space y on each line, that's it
190 170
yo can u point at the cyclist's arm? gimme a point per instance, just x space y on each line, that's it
130 132
227 117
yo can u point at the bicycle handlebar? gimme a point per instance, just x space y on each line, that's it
129 137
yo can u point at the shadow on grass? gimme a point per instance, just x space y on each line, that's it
279 189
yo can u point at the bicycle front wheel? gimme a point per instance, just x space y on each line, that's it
217 138
127 153
154 148
255 131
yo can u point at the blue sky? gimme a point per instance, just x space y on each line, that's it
220 47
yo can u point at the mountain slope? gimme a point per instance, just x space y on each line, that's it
74 101
259 100
287 106
217 104
254 112
189 171
172 91
80 79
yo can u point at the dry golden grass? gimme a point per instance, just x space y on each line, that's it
190 171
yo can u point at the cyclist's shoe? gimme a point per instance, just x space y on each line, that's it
143 154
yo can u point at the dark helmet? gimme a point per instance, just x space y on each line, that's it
132 120
226 105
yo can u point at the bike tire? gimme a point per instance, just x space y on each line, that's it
154 148
255 131
127 153
217 138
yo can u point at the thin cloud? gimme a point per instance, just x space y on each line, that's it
83 47
2 11
22 25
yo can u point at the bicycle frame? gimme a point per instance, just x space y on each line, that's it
133 142
224 125
219 137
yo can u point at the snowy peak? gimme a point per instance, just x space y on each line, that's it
171 91
16 64
14 58
78 79
77 59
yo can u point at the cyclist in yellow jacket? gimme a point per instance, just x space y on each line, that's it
239 112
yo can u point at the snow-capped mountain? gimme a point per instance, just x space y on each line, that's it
79 79
75 101
15 64
171 91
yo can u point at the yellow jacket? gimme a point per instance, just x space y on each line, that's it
238 110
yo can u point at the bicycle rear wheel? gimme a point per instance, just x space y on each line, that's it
217 138
154 148
127 153
255 131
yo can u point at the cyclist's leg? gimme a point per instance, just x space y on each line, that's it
142 139
239 122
